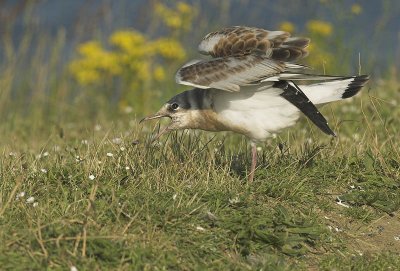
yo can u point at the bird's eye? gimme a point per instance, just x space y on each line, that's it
174 106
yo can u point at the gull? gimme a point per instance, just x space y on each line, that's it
253 86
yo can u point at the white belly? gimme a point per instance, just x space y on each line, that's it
256 114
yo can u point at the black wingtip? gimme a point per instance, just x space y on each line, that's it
332 133
355 86
293 94
326 129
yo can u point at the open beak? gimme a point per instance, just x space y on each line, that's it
156 116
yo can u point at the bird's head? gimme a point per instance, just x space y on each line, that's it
182 109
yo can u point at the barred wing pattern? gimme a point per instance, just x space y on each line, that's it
244 40
229 73
242 56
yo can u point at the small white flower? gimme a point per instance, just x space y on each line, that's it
78 158
122 148
91 177
128 109
73 268
199 228
356 136
35 204
234 200
97 127
174 196
339 202
45 154
84 142
109 154
338 230
127 168
43 170
397 238
20 195
12 154
30 200
259 149
116 140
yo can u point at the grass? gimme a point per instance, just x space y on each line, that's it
82 186
106 198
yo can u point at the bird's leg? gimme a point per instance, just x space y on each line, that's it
253 161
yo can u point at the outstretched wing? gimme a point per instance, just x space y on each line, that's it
242 56
229 73
239 40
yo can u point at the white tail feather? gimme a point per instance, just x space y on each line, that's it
334 90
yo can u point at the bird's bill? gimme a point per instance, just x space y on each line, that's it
153 117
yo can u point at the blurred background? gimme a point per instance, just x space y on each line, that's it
97 60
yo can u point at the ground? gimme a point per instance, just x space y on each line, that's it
99 196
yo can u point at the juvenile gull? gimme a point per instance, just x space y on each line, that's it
252 86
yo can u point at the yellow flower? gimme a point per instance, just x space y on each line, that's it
173 21
127 40
90 48
83 75
356 9
319 27
159 73
169 48
179 17
287 27
184 8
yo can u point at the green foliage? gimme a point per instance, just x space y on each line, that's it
254 230
361 262
106 198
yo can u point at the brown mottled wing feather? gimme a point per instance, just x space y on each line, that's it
240 40
229 73
291 49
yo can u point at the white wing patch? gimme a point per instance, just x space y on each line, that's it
274 34
208 43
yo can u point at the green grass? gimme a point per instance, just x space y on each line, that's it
105 198
184 203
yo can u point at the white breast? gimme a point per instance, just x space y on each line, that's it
255 113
